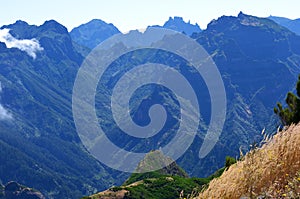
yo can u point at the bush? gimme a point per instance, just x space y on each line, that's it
229 161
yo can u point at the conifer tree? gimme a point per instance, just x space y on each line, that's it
290 114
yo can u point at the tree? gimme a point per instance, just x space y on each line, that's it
290 114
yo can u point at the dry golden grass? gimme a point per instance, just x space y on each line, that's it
271 171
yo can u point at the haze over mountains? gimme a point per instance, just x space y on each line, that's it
39 146
93 33
293 25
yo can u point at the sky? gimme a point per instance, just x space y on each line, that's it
138 14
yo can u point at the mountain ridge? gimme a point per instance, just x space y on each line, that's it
250 52
41 137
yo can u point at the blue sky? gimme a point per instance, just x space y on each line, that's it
136 14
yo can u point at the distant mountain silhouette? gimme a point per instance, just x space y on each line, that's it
178 24
293 25
93 33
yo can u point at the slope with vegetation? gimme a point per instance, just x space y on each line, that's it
251 54
271 171
166 183
39 145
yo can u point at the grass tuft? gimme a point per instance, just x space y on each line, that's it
271 171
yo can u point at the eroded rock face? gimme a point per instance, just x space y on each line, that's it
13 190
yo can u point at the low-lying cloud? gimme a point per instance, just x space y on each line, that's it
4 113
30 46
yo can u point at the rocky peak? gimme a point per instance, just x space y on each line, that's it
178 24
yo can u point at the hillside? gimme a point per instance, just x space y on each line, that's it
272 171
39 146
251 53
170 182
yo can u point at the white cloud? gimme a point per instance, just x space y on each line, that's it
30 46
4 114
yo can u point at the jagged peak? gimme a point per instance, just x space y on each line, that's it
241 15
178 24
177 19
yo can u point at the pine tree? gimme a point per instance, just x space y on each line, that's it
290 114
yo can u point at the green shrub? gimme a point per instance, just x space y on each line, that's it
229 161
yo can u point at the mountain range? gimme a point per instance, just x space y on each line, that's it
39 146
